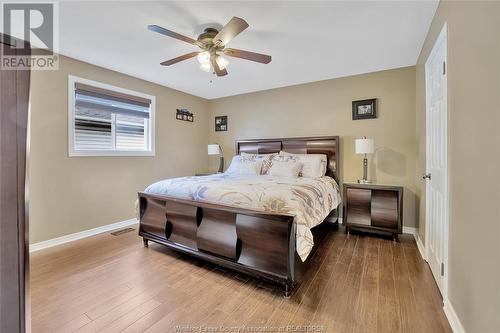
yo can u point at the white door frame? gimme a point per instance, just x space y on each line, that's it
442 38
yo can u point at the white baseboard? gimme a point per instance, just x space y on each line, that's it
421 247
414 231
449 311
409 230
82 234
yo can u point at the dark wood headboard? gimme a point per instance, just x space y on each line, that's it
328 145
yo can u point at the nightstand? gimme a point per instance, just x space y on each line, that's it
373 208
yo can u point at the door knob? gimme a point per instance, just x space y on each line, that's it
426 176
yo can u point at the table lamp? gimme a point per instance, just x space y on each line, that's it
364 146
215 149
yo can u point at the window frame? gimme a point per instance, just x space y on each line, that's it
150 127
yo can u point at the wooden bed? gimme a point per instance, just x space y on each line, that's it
261 244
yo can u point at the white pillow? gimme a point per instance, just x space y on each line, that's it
243 166
266 159
285 168
314 164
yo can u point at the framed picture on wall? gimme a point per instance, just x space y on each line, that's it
364 109
184 114
220 123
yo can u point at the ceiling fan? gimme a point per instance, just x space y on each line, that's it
213 44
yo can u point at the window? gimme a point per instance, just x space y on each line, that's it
109 121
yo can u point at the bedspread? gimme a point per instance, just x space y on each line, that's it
310 200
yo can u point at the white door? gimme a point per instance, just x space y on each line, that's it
436 225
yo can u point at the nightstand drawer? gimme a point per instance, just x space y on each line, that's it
359 215
385 218
384 199
358 211
359 197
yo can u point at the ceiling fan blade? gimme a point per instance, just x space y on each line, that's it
230 30
169 33
217 69
258 57
180 58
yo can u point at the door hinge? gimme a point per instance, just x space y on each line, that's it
444 67
442 269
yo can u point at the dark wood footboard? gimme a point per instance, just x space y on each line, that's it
260 244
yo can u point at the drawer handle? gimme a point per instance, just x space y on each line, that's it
168 229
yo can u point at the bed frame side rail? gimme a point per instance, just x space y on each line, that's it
261 244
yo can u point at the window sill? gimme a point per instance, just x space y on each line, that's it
95 153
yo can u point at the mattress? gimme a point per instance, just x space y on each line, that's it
310 200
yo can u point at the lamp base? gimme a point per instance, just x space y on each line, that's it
365 172
221 164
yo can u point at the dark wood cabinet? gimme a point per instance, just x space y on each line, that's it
373 208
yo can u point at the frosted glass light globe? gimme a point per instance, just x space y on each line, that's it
222 62
203 57
205 67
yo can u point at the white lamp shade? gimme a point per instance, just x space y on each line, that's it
213 149
364 146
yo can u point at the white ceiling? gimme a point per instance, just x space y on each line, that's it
309 41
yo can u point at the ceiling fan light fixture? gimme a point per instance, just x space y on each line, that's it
205 67
203 57
212 43
222 62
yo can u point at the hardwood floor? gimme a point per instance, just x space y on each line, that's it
108 283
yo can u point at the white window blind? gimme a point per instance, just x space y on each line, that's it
109 122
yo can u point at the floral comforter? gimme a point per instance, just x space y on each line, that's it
309 200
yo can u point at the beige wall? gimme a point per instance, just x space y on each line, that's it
324 108
474 157
72 194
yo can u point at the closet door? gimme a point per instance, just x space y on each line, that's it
14 105
436 217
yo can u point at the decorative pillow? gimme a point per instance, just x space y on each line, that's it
283 168
266 159
285 158
244 166
314 164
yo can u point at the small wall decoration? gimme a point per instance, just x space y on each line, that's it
184 114
364 109
220 123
